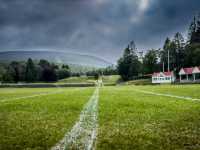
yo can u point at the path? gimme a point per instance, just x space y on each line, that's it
83 134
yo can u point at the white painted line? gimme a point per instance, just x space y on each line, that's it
169 95
31 96
84 132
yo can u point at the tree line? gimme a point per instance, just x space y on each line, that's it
30 71
181 54
44 71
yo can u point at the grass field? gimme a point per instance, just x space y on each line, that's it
128 118
38 122
84 79
134 120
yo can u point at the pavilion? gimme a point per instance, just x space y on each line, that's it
191 74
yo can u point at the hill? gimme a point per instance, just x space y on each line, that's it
56 57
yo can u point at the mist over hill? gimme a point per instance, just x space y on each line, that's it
56 57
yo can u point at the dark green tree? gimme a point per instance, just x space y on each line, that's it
2 72
8 75
64 72
164 52
48 72
150 62
44 63
192 55
192 49
129 65
194 31
31 72
17 71
179 46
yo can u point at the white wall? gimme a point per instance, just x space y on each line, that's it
163 80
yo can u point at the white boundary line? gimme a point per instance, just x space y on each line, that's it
31 96
168 95
83 133
60 90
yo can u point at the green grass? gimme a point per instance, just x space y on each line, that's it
110 79
128 119
9 93
84 79
140 82
180 90
39 122
133 120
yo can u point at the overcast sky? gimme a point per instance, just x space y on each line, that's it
97 27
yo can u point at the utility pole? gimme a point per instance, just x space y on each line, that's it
168 62
163 66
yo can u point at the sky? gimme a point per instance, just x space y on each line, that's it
101 28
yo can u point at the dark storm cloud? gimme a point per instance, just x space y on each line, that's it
97 27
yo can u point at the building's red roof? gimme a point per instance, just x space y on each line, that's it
156 74
188 70
169 73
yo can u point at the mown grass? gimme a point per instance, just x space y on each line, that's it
9 93
82 79
39 122
133 120
128 119
140 82
107 80
179 90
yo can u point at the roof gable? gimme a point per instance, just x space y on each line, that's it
196 70
182 72
162 74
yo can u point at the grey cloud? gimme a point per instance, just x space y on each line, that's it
97 27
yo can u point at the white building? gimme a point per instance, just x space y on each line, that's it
163 77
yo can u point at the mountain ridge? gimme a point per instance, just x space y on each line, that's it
55 56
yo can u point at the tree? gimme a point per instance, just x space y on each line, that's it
65 67
31 72
176 52
128 65
164 52
64 72
150 62
49 74
192 55
17 71
47 71
194 31
192 49
44 63
2 72
179 51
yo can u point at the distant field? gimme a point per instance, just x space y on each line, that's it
110 79
128 117
38 122
140 82
84 79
